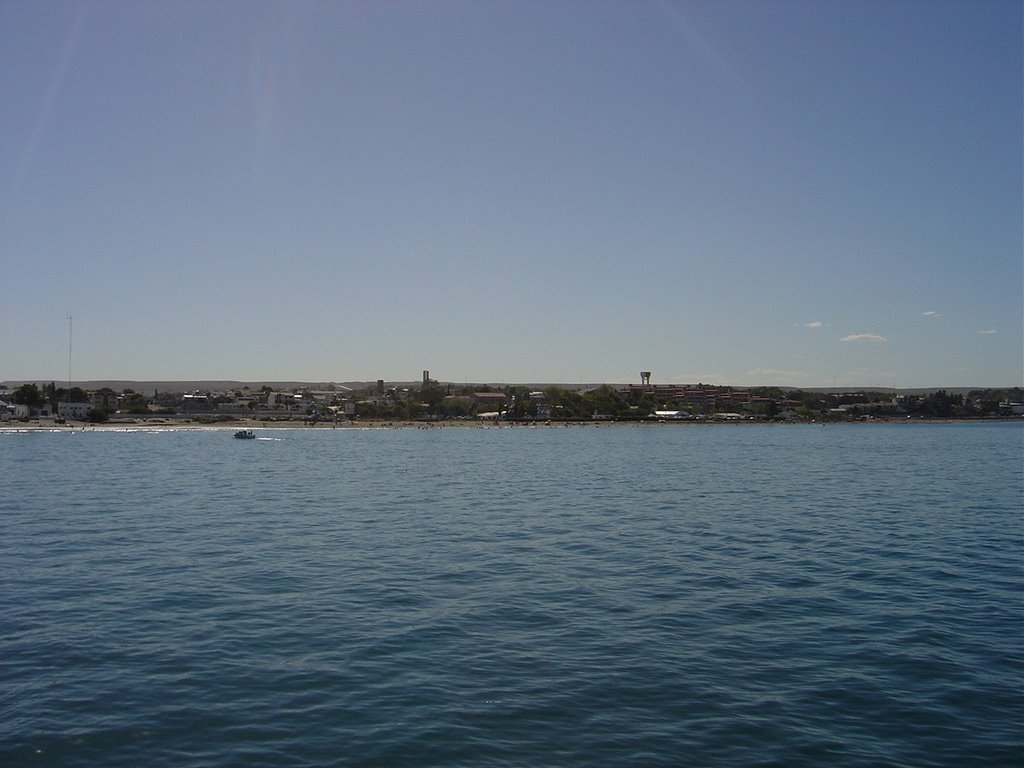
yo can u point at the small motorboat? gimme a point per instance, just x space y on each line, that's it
245 434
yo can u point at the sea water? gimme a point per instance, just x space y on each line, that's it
613 596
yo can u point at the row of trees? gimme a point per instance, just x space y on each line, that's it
560 403
36 396
606 401
432 400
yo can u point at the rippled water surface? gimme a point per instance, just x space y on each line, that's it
614 596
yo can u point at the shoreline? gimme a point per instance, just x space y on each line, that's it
194 425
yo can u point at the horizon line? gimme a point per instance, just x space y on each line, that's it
484 382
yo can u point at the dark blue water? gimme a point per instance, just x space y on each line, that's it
615 596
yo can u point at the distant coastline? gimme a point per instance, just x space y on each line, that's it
432 403
189 425
150 387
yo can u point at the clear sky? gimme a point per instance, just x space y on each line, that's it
795 193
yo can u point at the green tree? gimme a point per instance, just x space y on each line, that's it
399 410
566 403
133 402
604 400
453 407
30 395
72 395
431 394
365 410
523 405
941 404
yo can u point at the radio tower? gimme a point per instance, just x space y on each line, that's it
69 356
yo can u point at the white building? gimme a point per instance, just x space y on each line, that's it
671 415
73 411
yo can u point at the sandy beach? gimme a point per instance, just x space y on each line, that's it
169 424
165 424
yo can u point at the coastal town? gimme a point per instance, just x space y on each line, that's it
432 401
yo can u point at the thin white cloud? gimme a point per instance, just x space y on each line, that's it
989 332
864 337
815 324
932 313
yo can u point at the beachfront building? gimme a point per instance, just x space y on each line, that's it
282 400
105 399
699 397
73 411
196 402
671 415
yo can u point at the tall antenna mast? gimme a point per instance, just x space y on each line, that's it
69 356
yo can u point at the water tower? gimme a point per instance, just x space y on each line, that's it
645 379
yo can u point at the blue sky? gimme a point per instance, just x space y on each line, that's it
794 193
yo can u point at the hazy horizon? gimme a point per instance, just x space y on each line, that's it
190 384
